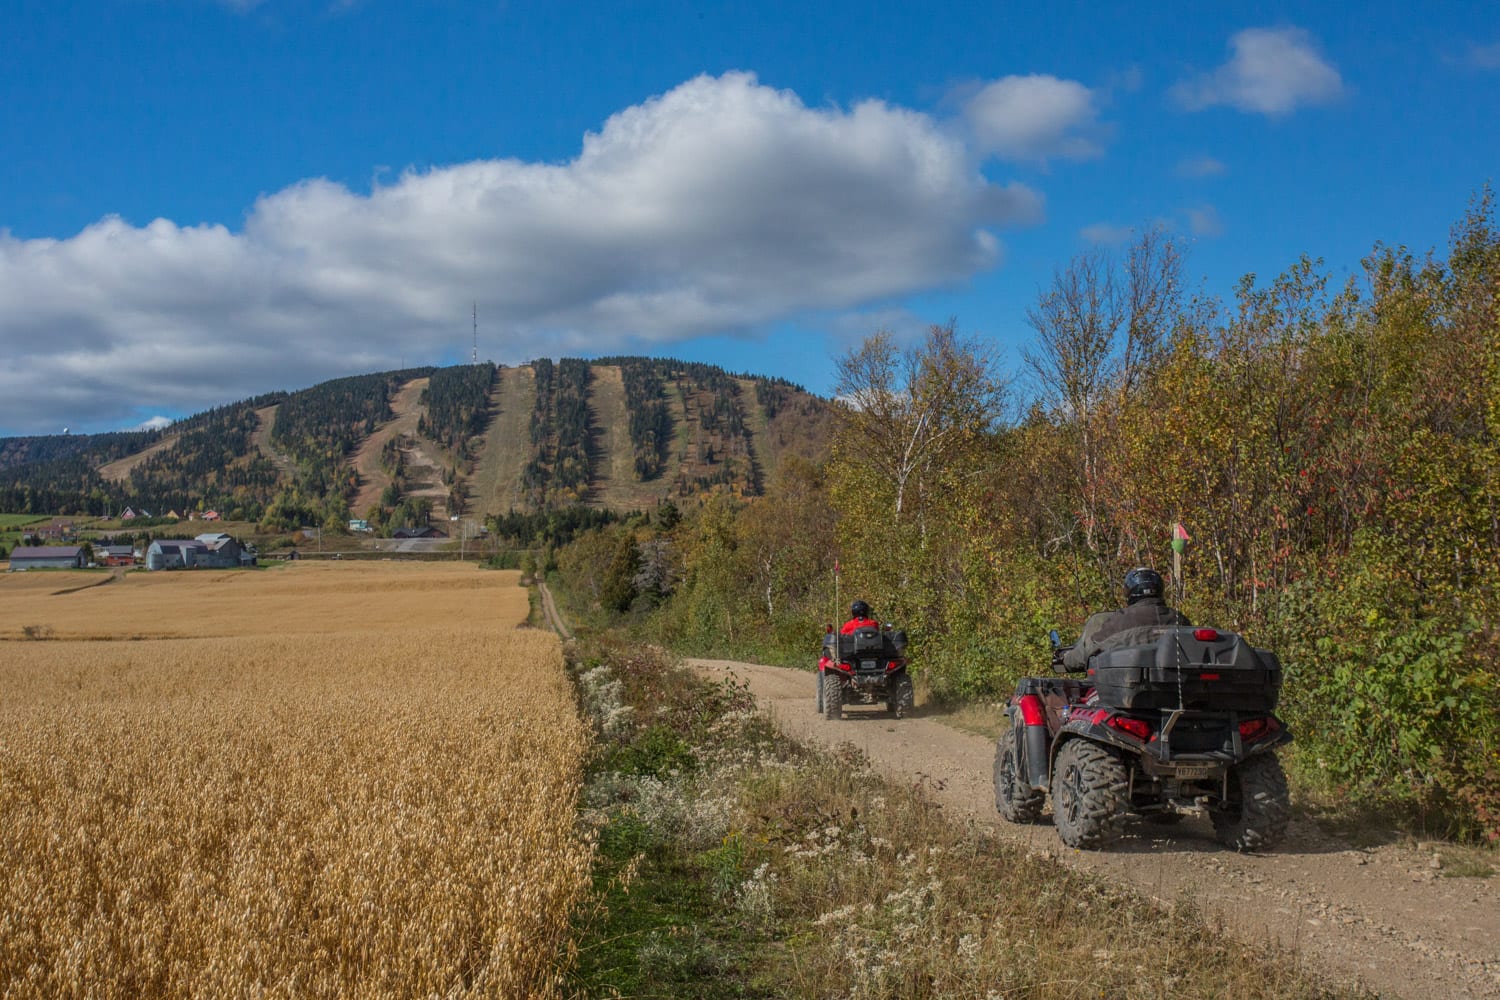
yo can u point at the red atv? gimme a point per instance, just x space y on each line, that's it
865 667
1178 722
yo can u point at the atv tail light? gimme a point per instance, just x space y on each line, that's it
1254 729
1208 677
1138 728
1032 712
1206 634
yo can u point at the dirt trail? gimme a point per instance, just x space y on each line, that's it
1383 917
424 472
119 470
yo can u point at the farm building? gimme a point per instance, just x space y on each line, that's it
114 555
46 557
174 553
224 552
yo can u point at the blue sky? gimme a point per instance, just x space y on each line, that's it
201 200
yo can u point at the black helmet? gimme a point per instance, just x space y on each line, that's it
859 609
1142 582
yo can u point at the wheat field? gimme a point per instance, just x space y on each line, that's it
318 780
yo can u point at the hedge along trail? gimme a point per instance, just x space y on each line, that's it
350 781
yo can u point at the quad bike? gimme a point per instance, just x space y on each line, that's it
865 667
1178 721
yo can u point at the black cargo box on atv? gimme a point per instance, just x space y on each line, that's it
1175 668
869 642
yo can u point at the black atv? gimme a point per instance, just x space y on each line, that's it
865 667
1178 722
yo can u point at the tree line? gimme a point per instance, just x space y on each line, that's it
1332 449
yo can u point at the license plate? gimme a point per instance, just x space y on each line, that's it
867 664
1193 772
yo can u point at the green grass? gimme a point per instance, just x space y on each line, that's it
11 521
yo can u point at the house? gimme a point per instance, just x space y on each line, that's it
25 557
60 530
174 553
114 555
128 514
210 515
174 515
424 532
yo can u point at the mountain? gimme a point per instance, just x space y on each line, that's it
618 433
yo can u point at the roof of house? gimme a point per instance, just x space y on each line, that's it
214 538
45 552
115 550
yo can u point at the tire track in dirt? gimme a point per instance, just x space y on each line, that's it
1382 918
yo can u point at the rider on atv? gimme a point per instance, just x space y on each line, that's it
1144 608
859 617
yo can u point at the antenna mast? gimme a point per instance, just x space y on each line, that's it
476 334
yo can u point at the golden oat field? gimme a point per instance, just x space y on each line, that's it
317 780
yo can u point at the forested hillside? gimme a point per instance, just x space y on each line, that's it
1333 450
693 429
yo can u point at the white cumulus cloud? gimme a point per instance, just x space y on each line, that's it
1271 71
1036 118
721 206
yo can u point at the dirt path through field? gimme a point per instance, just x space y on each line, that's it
1385 917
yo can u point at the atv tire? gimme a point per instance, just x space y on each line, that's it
820 692
1255 816
1015 801
900 699
1090 793
833 697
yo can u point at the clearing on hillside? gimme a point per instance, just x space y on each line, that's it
615 485
265 422
359 778
495 487
421 457
119 470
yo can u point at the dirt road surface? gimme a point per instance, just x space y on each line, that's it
1385 918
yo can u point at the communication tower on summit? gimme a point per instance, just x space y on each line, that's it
475 358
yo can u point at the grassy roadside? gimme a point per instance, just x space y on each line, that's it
734 862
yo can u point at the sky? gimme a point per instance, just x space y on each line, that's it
204 200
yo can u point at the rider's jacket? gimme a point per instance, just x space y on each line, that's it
1147 612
